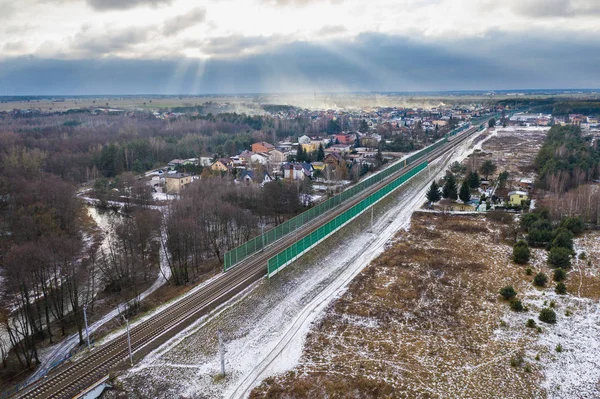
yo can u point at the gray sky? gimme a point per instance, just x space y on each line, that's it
229 46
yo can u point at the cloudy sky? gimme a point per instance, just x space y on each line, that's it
249 46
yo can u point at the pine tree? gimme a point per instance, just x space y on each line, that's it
320 153
450 189
474 180
300 154
465 192
434 195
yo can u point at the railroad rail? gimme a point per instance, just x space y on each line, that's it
71 378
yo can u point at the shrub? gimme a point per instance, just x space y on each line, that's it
559 257
516 360
582 256
527 368
530 323
528 271
539 238
559 348
563 238
552 304
559 274
516 305
574 224
540 279
547 315
561 288
508 292
521 253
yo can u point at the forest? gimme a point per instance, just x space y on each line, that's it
567 159
52 262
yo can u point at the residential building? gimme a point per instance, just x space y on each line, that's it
304 140
276 156
262 146
176 182
297 171
516 198
349 139
222 165
334 159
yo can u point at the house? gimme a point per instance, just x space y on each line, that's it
260 158
206 161
318 165
276 156
312 146
246 156
177 181
297 171
516 198
222 165
370 140
251 176
262 146
348 139
526 184
334 159
174 163
339 148
304 140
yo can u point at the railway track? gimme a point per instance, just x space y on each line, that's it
71 378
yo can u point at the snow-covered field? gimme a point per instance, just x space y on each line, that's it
575 371
265 329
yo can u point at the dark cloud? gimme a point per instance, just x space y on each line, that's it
182 22
105 5
555 8
234 45
97 44
370 62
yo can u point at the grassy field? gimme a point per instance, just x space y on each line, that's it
425 321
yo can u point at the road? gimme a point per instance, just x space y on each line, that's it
71 378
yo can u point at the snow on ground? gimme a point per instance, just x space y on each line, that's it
265 330
573 372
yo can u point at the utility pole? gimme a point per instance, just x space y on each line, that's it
221 352
87 332
128 341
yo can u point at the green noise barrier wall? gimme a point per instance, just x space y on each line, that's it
259 242
291 253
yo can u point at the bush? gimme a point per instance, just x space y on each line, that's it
540 279
559 257
563 238
582 256
516 360
574 224
547 315
559 274
539 238
561 289
521 253
508 292
528 271
516 305
559 348
530 323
